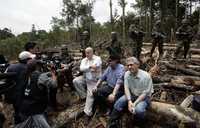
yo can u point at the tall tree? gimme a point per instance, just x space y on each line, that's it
73 12
33 33
123 4
111 15
5 33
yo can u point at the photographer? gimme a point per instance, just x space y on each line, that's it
15 95
36 94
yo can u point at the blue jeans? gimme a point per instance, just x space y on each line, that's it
140 108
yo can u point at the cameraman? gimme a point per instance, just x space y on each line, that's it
36 94
15 95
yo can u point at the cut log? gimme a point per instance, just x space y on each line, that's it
177 113
193 67
195 78
192 61
67 116
186 81
159 79
176 86
166 44
181 69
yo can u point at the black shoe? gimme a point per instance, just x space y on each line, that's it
87 119
114 119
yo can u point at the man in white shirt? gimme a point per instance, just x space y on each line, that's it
91 68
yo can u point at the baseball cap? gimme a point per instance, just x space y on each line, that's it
26 55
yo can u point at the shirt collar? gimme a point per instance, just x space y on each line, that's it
137 76
91 58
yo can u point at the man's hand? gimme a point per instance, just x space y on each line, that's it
94 89
53 74
130 106
111 98
93 67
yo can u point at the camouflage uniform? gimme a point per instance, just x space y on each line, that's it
184 37
85 42
158 38
66 75
115 47
65 57
136 35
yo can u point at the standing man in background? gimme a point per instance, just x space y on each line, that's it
136 35
115 48
85 42
158 38
184 38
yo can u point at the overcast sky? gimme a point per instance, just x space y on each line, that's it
19 15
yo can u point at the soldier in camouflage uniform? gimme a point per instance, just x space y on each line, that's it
158 38
136 34
65 57
85 42
115 47
184 36
66 75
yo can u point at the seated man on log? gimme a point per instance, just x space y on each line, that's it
138 89
91 68
113 89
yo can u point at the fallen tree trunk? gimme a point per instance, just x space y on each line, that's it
193 67
177 86
192 61
67 116
195 78
166 44
177 113
181 69
159 79
185 81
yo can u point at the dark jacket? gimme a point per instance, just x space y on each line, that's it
15 95
36 94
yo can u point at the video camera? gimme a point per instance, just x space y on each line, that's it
3 64
50 63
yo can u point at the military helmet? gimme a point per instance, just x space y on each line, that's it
113 33
85 33
63 47
132 27
158 22
185 21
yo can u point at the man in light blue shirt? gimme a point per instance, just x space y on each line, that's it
113 76
138 89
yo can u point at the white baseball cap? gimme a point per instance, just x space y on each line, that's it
26 55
